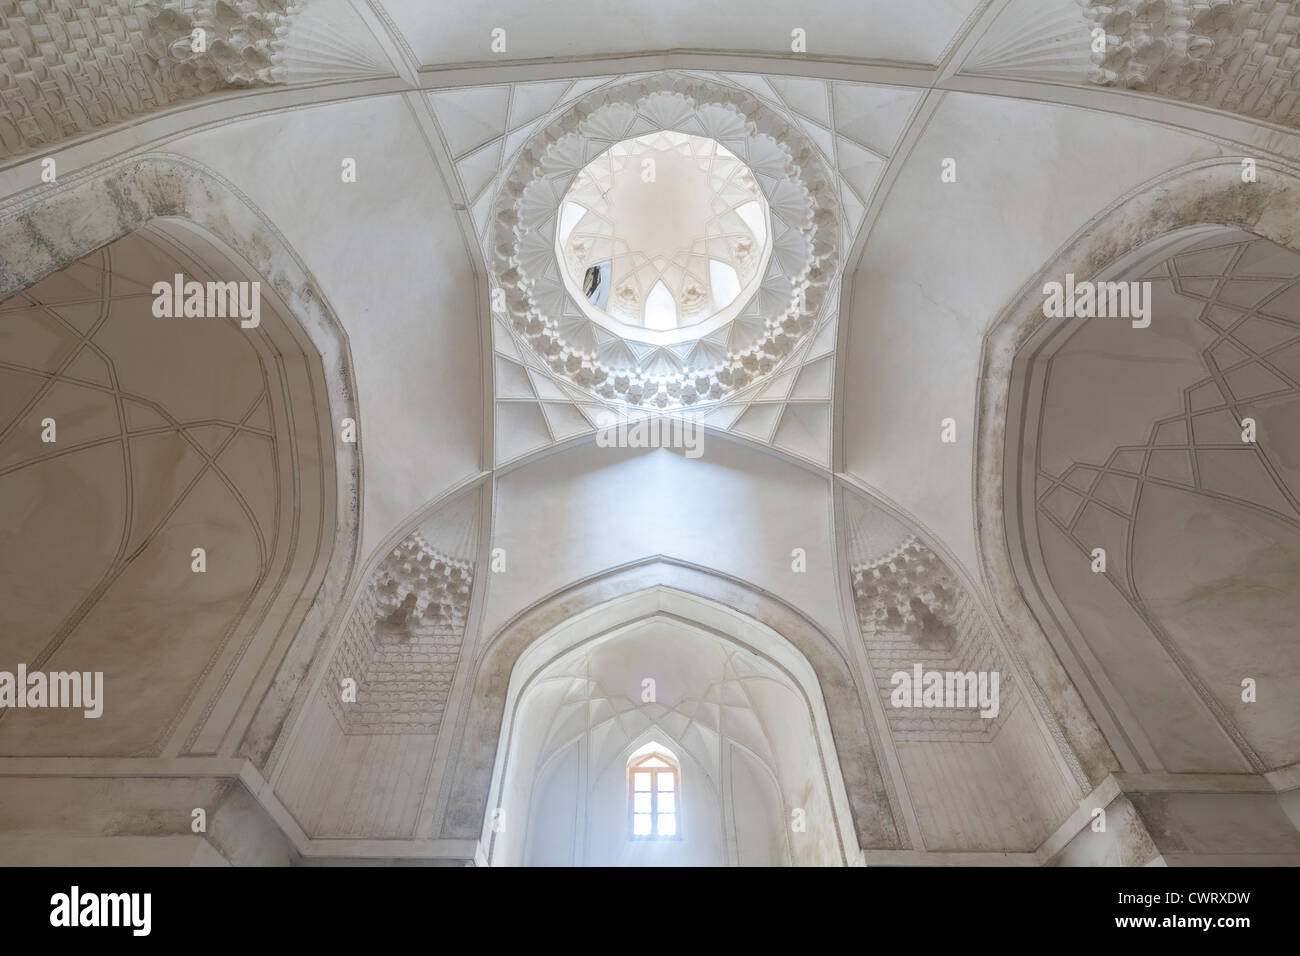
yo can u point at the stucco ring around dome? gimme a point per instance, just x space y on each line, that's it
673 370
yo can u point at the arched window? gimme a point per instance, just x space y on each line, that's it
654 795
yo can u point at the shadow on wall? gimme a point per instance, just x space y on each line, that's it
167 494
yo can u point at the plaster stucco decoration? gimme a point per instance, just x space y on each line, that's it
1236 55
908 590
801 197
71 68
1179 501
912 609
856 127
1241 56
402 642
1200 194
664 236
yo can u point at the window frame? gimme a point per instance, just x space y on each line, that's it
635 767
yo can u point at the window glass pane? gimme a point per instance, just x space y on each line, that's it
569 217
725 283
654 786
752 214
660 308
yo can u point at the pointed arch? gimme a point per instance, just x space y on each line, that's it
1205 194
45 230
660 586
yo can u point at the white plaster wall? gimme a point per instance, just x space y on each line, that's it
172 434
917 30
738 726
1216 552
945 259
737 510
389 255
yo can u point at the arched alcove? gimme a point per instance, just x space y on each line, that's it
705 601
164 530
1198 517
1206 194
1101 439
959 762
397 650
730 698
172 434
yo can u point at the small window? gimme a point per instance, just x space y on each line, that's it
654 792
724 283
660 308
595 284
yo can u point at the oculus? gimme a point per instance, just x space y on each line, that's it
666 233
666 241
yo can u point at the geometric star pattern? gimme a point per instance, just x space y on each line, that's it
58 362
1245 290
856 126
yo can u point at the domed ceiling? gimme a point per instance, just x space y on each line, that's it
660 351
663 237
664 212
759 364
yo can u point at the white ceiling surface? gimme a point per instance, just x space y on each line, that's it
388 253
856 126
1211 542
916 30
943 261
718 707
332 41
1035 39
736 509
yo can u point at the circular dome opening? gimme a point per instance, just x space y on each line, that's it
663 237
